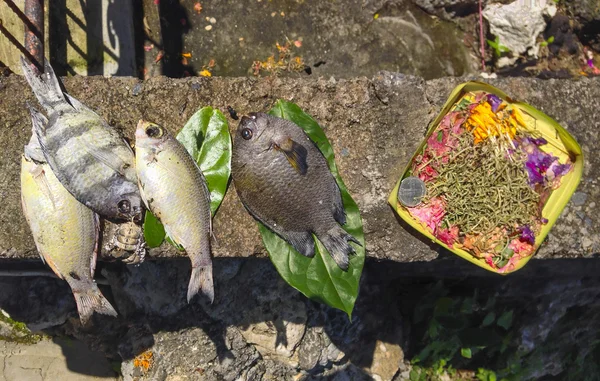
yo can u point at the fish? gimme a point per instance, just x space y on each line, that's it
175 191
92 161
284 182
64 230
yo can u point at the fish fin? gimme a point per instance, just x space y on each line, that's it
95 253
33 149
110 160
303 242
339 213
336 241
78 105
45 87
39 176
295 153
48 260
39 123
90 300
201 280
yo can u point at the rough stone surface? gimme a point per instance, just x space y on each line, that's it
587 16
49 360
374 125
343 35
517 26
449 9
555 325
584 10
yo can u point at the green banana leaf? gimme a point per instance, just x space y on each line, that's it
318 278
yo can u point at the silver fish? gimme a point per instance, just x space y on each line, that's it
174 189
90 159
284 181
64 230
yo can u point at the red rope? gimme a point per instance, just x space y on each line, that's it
481 37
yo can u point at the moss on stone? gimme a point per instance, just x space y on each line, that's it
15 331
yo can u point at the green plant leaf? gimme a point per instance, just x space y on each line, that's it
498 48
489 319
154 232
173 243
206 138
318 278
505 320
465 352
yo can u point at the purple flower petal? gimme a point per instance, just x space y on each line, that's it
535 141
534 175
561 169
544 220
527 234
494 101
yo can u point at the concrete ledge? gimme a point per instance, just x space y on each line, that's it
374 126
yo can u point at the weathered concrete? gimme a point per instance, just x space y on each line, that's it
48 360
374 126
352 37
259 326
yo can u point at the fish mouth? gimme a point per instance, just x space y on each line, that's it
137 215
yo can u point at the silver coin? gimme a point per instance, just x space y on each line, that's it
411 191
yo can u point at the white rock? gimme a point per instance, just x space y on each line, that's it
550 10
517 25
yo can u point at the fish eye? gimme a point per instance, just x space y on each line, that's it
124 206
247 133
154 132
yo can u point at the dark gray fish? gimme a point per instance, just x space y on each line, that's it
90 159
284 181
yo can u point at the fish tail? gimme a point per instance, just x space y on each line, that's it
90 300
45 86
336 241
33 149
201 280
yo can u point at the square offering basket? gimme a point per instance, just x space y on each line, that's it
560 144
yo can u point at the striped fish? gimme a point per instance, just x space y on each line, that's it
64 230
90 159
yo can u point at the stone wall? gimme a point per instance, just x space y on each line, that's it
374 125
260 328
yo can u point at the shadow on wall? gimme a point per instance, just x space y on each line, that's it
445 310
107 37
93 37
174 23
